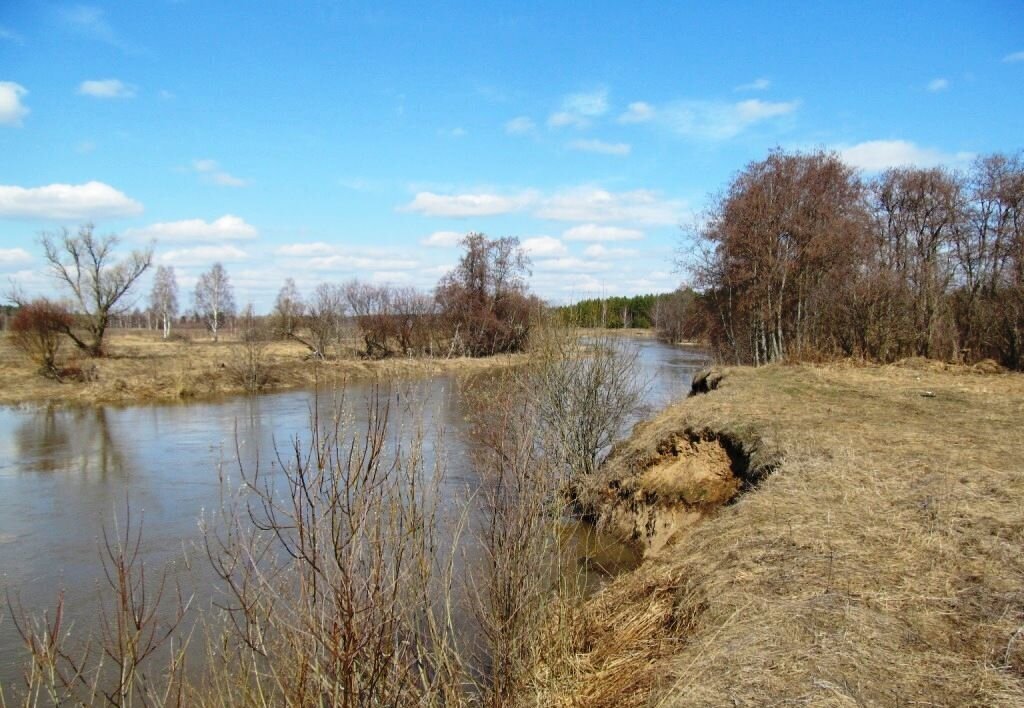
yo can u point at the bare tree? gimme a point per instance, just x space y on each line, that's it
140 617
250 369
677 316
918 212
371 305
989 253
288 310
86 264
163 299
583 392
413 313
339 597
325 317
214 298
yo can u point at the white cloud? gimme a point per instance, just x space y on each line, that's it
593 204
578 265
92 200
320 256
599 251
303 250
437 271
443 239
600 147
594 232
761 84
541 246
210 171
637 112
203 256
584 203
1015 57
13 256
226 228
350 262
12 110
578 109
520 125
876 155
390 277
106 88
716 120
936 85
463 205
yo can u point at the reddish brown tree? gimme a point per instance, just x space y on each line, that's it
786 230
38 329
484 300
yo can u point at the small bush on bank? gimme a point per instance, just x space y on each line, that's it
38 330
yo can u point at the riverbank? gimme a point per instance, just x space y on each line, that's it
829 535
141 367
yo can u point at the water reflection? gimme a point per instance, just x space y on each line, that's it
79 440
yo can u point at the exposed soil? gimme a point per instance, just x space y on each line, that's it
879 564
652 498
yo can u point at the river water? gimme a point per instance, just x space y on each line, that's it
66 473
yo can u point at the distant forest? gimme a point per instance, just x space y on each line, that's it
676 316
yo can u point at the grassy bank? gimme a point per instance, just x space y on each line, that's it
878 562
141 367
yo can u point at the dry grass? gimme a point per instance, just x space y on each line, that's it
141 366
881 563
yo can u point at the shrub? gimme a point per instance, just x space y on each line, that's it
38 329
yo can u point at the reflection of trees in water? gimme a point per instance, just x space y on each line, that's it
76 440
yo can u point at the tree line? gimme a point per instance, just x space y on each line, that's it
802 257
481 307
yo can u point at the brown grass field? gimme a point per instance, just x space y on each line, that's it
141 367
881 562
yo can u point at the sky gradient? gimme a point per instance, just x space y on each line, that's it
330 140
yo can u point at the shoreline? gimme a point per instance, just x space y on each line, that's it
798 515
141 368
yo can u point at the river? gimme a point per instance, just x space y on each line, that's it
65 473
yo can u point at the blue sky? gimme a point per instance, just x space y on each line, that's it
328 140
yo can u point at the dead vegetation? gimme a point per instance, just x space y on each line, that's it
140 366
879 564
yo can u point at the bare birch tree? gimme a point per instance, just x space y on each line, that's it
214 298
163 299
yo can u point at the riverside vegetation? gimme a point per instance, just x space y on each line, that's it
337 573
852 531
840 524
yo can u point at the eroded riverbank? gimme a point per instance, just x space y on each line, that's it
878 564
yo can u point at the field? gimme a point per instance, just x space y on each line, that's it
140 366
860 544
